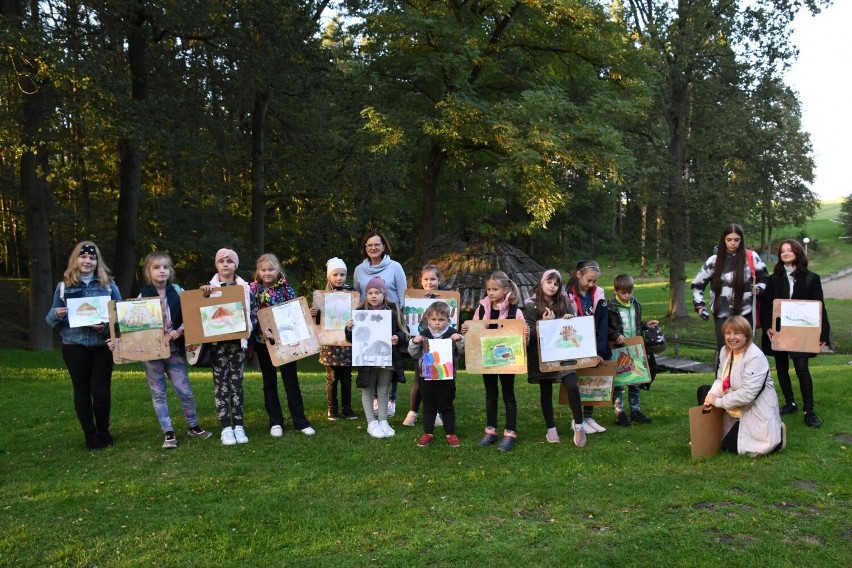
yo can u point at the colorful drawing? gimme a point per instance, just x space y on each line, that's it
800 314
221 319
502 351
83 312
371 338
139 315
414 308
338 311
631 365
290 322
438 360
565 339
595 388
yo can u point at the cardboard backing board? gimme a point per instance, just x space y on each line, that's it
705 431
797 325
196 330
571 363
502 350
416 301
596 385
139 344
631 362
278 320
333 336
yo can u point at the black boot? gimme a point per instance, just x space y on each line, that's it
105 438
93 442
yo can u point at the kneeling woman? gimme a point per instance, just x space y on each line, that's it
744 387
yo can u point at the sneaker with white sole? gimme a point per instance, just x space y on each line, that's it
240 435
579 435
227 437
410 419
592 426
308 431
391 408
552 436
276 431
169 440
438 422
386 428
199 432
374 430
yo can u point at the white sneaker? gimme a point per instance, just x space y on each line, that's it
227 437
579 435
374 430
276 431
386 428
240 435
410 419
308 431
592 426
438 421
391 408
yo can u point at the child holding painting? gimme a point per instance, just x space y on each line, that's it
588 299
378 379
625 321
84 348
337 359
270 288
431 279
158 275
228 358
500 302
438 394
547 303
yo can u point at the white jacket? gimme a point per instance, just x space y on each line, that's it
760 425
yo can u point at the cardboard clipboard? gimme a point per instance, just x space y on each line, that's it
567 364
590 380
136 346
797 325
193 301
281 352
412 311
511 329
705 431
332 336
636 370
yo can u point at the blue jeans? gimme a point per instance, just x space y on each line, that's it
175 368
632 398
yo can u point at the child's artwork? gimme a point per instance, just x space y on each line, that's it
416 302
139 315
371 338
137 328
84 312
596 385
564 339
438 360
335 309
496 346
294 336
797 325
220 319
631 363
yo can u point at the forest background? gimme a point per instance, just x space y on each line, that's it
627 129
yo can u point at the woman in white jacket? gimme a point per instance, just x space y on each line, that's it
744 386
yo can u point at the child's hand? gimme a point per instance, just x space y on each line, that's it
568 316
61 312
526 332
417 339
313 312
548 314
456 337
206 288
111 343
394 340
349 324
619 340
98 327
465 327
268 335
175 334
653 323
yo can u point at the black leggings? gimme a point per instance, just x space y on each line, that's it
91 376
800 364
492 397
546 391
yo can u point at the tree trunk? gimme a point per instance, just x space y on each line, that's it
437 157
258 171
616 230
676 119
643 245
130 152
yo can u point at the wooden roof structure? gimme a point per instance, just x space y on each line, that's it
467 262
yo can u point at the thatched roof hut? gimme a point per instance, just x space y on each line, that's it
467 262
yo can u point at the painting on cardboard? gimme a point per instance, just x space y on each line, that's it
563 339
438 360
371 338
221 319
139 315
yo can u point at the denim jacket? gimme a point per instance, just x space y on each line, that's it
85 336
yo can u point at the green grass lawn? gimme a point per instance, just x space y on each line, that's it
632 497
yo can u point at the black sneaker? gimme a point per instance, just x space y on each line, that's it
812 420
106 438
199 432
789 408
349 414
621 419
487 440
169 441
333 415
638 417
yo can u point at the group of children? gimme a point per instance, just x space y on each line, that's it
87 354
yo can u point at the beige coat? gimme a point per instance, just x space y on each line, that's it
760 425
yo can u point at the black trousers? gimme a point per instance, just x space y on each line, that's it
290 377
91 376
438 396
492 397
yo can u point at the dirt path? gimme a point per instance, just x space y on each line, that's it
839 289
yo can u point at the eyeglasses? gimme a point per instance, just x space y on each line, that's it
374 246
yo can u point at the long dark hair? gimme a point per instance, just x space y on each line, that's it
738 280
559 305
801 263
582 265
